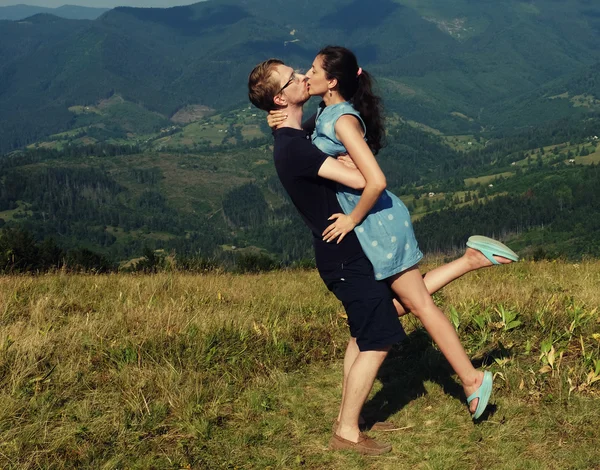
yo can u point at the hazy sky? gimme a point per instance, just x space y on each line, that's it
100 3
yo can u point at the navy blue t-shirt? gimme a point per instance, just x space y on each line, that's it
297 162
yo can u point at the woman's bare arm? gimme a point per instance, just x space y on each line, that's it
277 116
350 133
335 170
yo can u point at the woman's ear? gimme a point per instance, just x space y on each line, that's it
332 83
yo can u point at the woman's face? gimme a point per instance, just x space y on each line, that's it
318 85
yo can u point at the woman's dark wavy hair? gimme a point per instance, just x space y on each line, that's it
341 63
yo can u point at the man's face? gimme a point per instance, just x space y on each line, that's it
292 85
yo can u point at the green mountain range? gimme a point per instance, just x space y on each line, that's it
453 65
73 12
132 133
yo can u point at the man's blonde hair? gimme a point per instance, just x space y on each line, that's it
262 88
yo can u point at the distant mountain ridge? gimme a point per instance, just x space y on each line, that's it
72 12
455 65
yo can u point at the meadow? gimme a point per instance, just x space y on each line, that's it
225 371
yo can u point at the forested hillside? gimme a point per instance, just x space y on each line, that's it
224 204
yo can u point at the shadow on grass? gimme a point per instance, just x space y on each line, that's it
407 368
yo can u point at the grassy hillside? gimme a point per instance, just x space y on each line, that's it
221 371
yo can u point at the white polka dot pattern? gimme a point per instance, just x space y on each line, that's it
386 234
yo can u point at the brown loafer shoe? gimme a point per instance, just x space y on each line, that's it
381 426
366 445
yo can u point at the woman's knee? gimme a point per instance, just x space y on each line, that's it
420 305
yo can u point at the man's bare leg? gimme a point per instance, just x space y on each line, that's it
349 358
359 382
443 275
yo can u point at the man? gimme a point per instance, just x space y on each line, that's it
310 178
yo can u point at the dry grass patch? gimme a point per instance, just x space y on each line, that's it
228 371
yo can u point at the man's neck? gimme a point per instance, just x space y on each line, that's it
294 118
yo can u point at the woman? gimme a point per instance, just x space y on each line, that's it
349 121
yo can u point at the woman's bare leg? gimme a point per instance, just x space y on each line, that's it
410 288
443 275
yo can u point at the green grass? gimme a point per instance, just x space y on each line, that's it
79 109
215 129
195 133
463 143
591 159
217 371
22 209
579 101
586 101
252 131
487 179
563 151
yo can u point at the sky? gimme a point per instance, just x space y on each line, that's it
100 3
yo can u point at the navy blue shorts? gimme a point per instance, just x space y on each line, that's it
372 317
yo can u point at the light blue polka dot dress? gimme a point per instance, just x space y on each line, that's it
386 233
